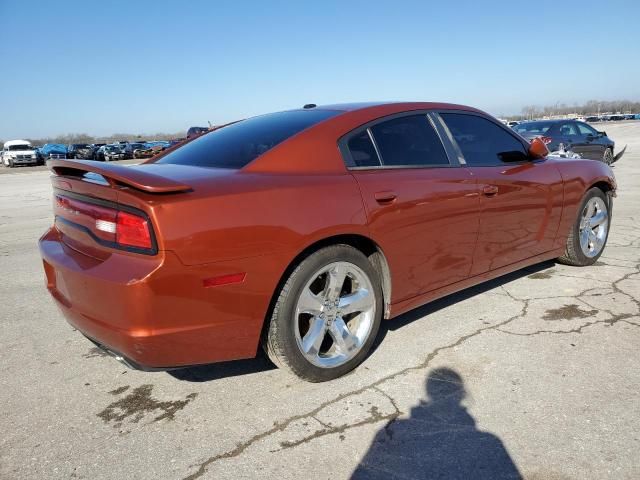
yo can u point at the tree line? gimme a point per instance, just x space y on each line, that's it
590 108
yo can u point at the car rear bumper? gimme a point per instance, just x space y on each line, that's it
153 311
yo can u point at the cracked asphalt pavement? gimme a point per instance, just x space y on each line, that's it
534 375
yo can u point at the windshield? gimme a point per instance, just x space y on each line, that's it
20 147
533 127
235 145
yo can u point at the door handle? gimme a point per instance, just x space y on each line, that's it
385 197
490 190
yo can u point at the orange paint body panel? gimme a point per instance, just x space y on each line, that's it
439 230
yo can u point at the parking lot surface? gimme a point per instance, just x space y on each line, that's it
536 374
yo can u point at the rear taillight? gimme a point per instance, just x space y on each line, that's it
132 231
546 140
108 225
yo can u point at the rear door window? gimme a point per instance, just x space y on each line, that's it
362 151
568 130
409 141
482 142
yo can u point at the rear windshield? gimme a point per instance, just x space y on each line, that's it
234 146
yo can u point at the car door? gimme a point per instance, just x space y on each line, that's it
422 207
570 138
521 199
594 146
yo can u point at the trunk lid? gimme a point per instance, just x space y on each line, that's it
99 206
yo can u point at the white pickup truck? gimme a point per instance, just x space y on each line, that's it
19 152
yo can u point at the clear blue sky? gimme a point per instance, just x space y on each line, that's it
101 67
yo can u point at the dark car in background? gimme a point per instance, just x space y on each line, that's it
93 153
153 148
99 153
79 150
129 149
113 152
196 132
572 135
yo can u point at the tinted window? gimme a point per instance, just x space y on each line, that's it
409 141
483 142
235 145
585 129
363 153
568 130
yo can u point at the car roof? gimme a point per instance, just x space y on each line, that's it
295 154
391 105
12 143
554 120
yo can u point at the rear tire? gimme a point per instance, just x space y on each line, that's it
590 231
326 316
608 156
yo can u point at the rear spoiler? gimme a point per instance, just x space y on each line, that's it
118 175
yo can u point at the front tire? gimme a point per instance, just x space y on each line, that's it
590 231
327 315
608 156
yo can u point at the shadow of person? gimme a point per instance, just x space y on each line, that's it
439 440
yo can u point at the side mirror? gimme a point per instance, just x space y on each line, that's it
538 149
602 134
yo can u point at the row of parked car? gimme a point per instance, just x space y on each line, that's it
612 118
590 119
22 152
115 151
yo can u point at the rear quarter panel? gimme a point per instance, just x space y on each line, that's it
579 176
253 215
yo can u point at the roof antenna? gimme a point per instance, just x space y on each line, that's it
310 105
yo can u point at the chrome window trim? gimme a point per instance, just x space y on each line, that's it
375 147
446 133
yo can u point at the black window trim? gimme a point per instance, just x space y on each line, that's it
346 154
510 131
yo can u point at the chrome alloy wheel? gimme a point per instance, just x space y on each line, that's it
594 224
334 314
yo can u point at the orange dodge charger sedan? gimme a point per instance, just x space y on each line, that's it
303 229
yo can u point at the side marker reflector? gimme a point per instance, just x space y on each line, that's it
224 280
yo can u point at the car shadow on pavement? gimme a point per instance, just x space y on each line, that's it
217 371
454 298
439 440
